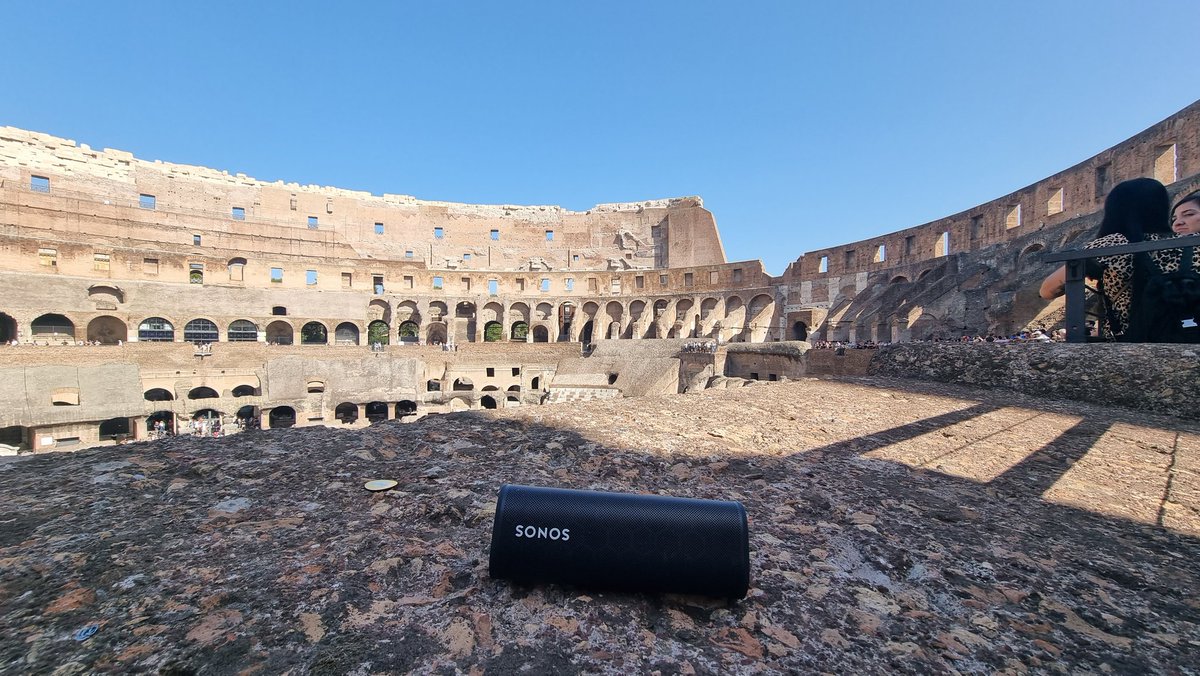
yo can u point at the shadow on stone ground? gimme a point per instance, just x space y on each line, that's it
894 527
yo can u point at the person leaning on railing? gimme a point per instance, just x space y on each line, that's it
1134 211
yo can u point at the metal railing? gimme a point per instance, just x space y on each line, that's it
1075 262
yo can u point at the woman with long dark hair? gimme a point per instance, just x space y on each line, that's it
1134 211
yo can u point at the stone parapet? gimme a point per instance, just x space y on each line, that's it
1152 378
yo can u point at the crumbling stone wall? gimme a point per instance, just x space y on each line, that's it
1154 378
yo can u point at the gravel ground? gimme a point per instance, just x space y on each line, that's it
895 527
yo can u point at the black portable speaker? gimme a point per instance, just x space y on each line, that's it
620 541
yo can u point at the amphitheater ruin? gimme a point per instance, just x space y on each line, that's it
140 292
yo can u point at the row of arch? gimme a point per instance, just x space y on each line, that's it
566 322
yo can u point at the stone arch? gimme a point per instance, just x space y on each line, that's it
463 384
245 391
492 312
281 417
201 330
519 312
899 279
8 328
379 310
493 332
207 414
53 327
242 330
346 413
236 268
378 331
158 394
1027 251
406 407
346 333
566 316
799 331
105 293
280 332
487 401
707 307
436 333
202 392
409 332
735 319
437 311
114 428
156 329
167 418
541 334
377 411
585 334
464 322
924 273
518 331
314 333
761 310
106 330
614 312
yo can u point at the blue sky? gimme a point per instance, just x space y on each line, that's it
801 124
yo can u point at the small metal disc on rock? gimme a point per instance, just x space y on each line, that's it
379 485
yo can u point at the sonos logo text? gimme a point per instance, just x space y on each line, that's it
562 534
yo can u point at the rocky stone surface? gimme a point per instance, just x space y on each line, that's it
895 527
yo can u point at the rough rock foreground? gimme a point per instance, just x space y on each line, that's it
895 527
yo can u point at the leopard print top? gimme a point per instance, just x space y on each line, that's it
1118 275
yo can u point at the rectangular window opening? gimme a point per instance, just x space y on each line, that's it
48 257
593 285
408 281
379 228
39 184
147 201
1013 218
491 372
549 235
851 259
408 253
1166 169
276 275
639 282
688 279
943 245
347 280
437 283
570 284
881 254
377 284
714 277
823 266
239 213
976 227
616 286
438 233
195 240
312 223
662 280
545 285
1054 205
493 287
494 234
101 262
466 283
737 275
150 266
310 277
1102 180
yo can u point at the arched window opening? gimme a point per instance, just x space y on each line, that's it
409 332
536 382
203 393
207 414
377 411
249 417
245 391
280 333
520 331
346 412
158 394
541 334
405 408
487 402
105 330
196 276
492 332
281 417
8 328
237 268
200 331
800 331
160 423
463 385
377 332
314 333
316 386
346 334
433 386
53 327
156 329
585 336
114 429
243 330
612 378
